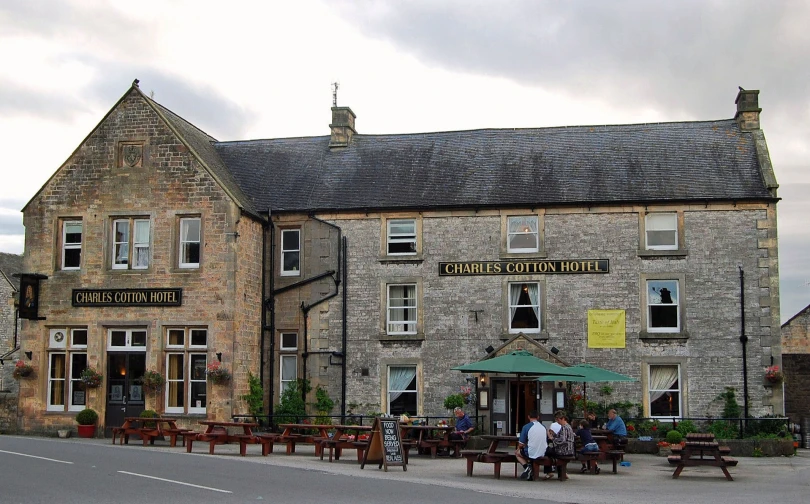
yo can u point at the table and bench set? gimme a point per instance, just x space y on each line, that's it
701 450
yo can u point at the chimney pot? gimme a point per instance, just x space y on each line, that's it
342 127
748 110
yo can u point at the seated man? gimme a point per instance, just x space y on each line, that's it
532 444
464 425
615 425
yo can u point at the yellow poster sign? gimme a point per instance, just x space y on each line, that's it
606 329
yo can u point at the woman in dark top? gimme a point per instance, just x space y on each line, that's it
589 445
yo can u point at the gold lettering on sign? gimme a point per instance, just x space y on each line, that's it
524 267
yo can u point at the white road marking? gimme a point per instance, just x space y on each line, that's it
34 456
175 482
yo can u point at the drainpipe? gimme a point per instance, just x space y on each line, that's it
270 304
343 340
743 340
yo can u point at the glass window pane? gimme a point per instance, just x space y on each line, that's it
198 366
78 363
139 338
177 337
79 337
73 258
291 261
141 231
197 392
290 239
190 230
118 338
289 340
199 337
73 232
174 369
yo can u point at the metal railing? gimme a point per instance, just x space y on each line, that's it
269 423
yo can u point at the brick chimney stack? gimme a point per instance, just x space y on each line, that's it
748 110
342 127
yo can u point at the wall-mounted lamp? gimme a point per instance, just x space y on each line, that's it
29 354
489 349
219 356
483 379
555 350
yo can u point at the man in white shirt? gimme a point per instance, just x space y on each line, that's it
532 444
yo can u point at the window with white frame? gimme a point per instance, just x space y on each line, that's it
126 339
289 341
186 362
402 309
664 389
522 234
524 307
71 244
401 238
130 244
663 307
402 390
288 370
67 358
290 252
189 249
661 231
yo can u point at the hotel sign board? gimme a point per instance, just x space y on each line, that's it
542 267
127 297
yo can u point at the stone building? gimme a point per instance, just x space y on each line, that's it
385 260
796 360
10 265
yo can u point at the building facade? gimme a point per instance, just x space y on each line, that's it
796 361
373 264
10 265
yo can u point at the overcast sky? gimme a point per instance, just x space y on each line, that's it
262 69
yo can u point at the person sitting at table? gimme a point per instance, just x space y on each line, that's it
592 420
562 441
532 444
589 445
464 425
615 425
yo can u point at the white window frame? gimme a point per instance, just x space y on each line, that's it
75 381
73 343
389 390
284 252
650 304
402 237
129 344
651 390
287 347
184 242
131 242
513 306
391 306
71 246
55 379
522 231
285 381
68 351
187 352
661 222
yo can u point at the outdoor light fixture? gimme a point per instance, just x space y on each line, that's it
28 354
483 379
219 356
555 350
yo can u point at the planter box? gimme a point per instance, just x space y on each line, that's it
86 431
739 447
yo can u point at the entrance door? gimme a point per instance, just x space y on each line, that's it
521 402
124 390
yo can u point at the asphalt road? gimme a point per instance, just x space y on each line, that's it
50 470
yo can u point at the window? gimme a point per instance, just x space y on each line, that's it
288 370
661 231
402 391
71 245
663 308
190 242
126 339
136 233
290 252
402 306
522 235
66 391
289 341
401 237
524 307
186 362
664 390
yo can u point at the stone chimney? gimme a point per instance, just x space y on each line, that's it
748 110
342 127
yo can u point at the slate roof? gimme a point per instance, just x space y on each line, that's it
11 264
686 161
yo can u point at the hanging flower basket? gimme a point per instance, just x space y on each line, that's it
90 377
152 381
216 373
774 375
22 370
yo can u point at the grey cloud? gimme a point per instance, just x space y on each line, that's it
11 225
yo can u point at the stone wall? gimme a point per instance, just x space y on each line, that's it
797 386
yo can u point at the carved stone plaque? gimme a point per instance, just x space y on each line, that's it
131 155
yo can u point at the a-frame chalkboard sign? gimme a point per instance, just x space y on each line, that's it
385 444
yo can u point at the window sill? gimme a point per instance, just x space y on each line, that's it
404 259
646 335
176 269
523 255
538 336
402 337
663 253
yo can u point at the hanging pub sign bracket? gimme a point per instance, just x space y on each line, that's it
28 305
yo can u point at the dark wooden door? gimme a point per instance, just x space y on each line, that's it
125 395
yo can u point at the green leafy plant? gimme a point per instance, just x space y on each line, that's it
291 406
323 405
87 416
152 381
757 452
723 429
255 396
148 413
674 437
90 377
454 401
731 409
217 373
686 427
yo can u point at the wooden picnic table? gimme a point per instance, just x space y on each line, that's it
290 435
342 438
495 456
607 451
148 429
430 438
216 432
701 450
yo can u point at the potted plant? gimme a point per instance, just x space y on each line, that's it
774 375
216 373
87 419
22 370
152 381
90 377
148 413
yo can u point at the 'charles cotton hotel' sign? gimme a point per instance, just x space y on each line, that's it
577 266
127 297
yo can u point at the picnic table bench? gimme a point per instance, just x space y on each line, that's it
342 439
495 457
148 429
701 450
217 433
